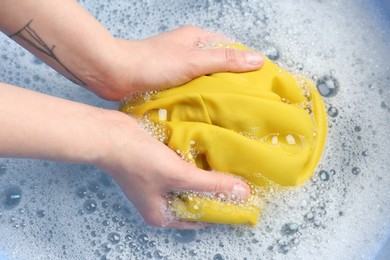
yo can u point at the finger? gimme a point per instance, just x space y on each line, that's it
198 180
205 61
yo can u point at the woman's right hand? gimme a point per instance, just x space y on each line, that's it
147 171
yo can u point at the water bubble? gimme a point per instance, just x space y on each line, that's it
36 77
116 207
114 238
119 248
149 255
93 186
295 241
324 175
132 244
357 129
272 53
309 217
4 57
365 153
299 66
105 247
356 171
314 195
90 206
129 237
101 195
41 213
218 257
152 243
328 86
11 197
143 239
289 229
284 248
184 236
158 254
192 252
333 112
290 63
81 192
3 169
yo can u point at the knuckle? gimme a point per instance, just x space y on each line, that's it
216 187
231 57
230 54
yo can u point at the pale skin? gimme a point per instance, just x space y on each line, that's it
68 38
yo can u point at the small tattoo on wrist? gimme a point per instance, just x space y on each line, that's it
28 35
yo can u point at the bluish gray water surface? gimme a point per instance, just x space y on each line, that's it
59 211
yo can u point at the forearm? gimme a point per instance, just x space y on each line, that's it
35 125
63 34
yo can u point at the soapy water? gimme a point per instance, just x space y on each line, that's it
61 211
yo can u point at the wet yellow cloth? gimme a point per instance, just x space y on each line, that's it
265 126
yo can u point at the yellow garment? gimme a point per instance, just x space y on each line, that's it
197 208
265 126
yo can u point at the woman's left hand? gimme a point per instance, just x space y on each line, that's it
171 59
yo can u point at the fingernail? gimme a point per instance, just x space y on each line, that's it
254 58
240 191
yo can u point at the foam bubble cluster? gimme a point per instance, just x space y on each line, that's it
62 211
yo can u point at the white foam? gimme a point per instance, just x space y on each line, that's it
345 217
162 114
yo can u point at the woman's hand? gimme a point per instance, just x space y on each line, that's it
68 38
35 125
147 171
171 59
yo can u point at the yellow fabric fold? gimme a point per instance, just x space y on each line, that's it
264 126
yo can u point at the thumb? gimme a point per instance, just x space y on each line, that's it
206 181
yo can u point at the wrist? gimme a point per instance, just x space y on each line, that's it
97 69
117 130
109 74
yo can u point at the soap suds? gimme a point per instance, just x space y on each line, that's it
61 211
